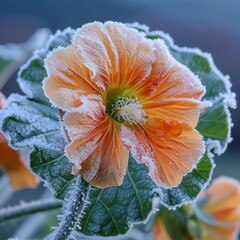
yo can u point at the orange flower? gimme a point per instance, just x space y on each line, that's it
121 92
13 163
219 210
159 231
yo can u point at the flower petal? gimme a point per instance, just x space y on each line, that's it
68 78
223 201
3 101
169 149
116 55
218 233
184 110
96 149
169 78
11 161
159 231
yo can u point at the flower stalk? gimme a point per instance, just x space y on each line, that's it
72 211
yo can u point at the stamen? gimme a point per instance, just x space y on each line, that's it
128 109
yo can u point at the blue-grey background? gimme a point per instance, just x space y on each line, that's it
211 25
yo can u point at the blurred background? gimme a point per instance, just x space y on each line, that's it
213 26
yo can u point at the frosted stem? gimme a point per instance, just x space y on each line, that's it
26 209
72 211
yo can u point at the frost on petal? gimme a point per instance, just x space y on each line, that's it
96 149
169 78
169 149
114 53
68 78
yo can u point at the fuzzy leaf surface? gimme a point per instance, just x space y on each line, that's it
112 210
34 127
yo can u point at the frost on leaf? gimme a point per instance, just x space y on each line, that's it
112 211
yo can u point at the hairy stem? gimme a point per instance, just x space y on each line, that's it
26 209
72 211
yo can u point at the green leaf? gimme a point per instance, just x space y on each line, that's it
190 187
214 124
180 224
34 126
13 55
112 210
62 39
31 76
133 234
